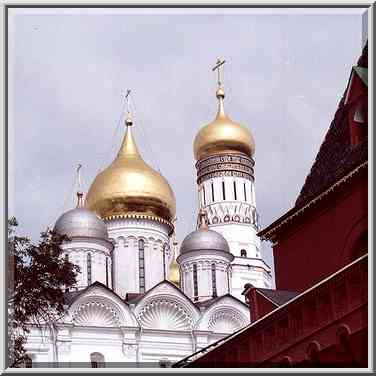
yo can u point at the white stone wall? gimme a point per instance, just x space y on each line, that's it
126 234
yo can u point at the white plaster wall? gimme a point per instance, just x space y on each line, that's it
117 345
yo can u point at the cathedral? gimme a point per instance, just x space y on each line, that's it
141 298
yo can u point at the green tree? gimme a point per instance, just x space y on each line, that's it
38 277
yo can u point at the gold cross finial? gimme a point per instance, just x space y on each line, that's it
218 67
128 120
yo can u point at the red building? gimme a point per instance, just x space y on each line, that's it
318 314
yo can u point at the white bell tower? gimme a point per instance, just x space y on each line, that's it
226 186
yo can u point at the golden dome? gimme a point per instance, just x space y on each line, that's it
174 274
223 135
129 187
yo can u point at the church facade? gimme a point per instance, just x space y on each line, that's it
139 298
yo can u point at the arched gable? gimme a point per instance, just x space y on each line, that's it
165 307
99 306
225 315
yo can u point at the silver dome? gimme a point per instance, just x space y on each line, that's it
81 222
204 239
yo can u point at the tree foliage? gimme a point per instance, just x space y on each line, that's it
38 277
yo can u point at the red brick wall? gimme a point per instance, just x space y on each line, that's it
324 239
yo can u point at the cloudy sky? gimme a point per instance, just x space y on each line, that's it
68 72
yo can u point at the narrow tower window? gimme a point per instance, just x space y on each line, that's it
203 190
88 269
245 193
195 286
182 280
235 191
212 190
107 271
223 190
141 264
214 281
112 270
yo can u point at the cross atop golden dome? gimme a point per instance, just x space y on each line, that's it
222 135
129 187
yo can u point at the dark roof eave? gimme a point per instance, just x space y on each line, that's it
269 232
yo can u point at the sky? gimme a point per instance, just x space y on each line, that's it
284 75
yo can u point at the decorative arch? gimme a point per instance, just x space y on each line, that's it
166 307
343 336
97 309
313 352
165 312
356 242
224 317
226 320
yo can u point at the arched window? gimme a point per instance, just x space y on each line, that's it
195 286
141 264
235 195
313 353
107 271
214 281
243 253
343 337
88 262
97 360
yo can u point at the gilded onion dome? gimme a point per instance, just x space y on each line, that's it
223 135
131 188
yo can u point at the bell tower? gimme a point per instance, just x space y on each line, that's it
224 152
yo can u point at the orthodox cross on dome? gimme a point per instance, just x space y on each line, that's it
218 67
128 120
79 185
